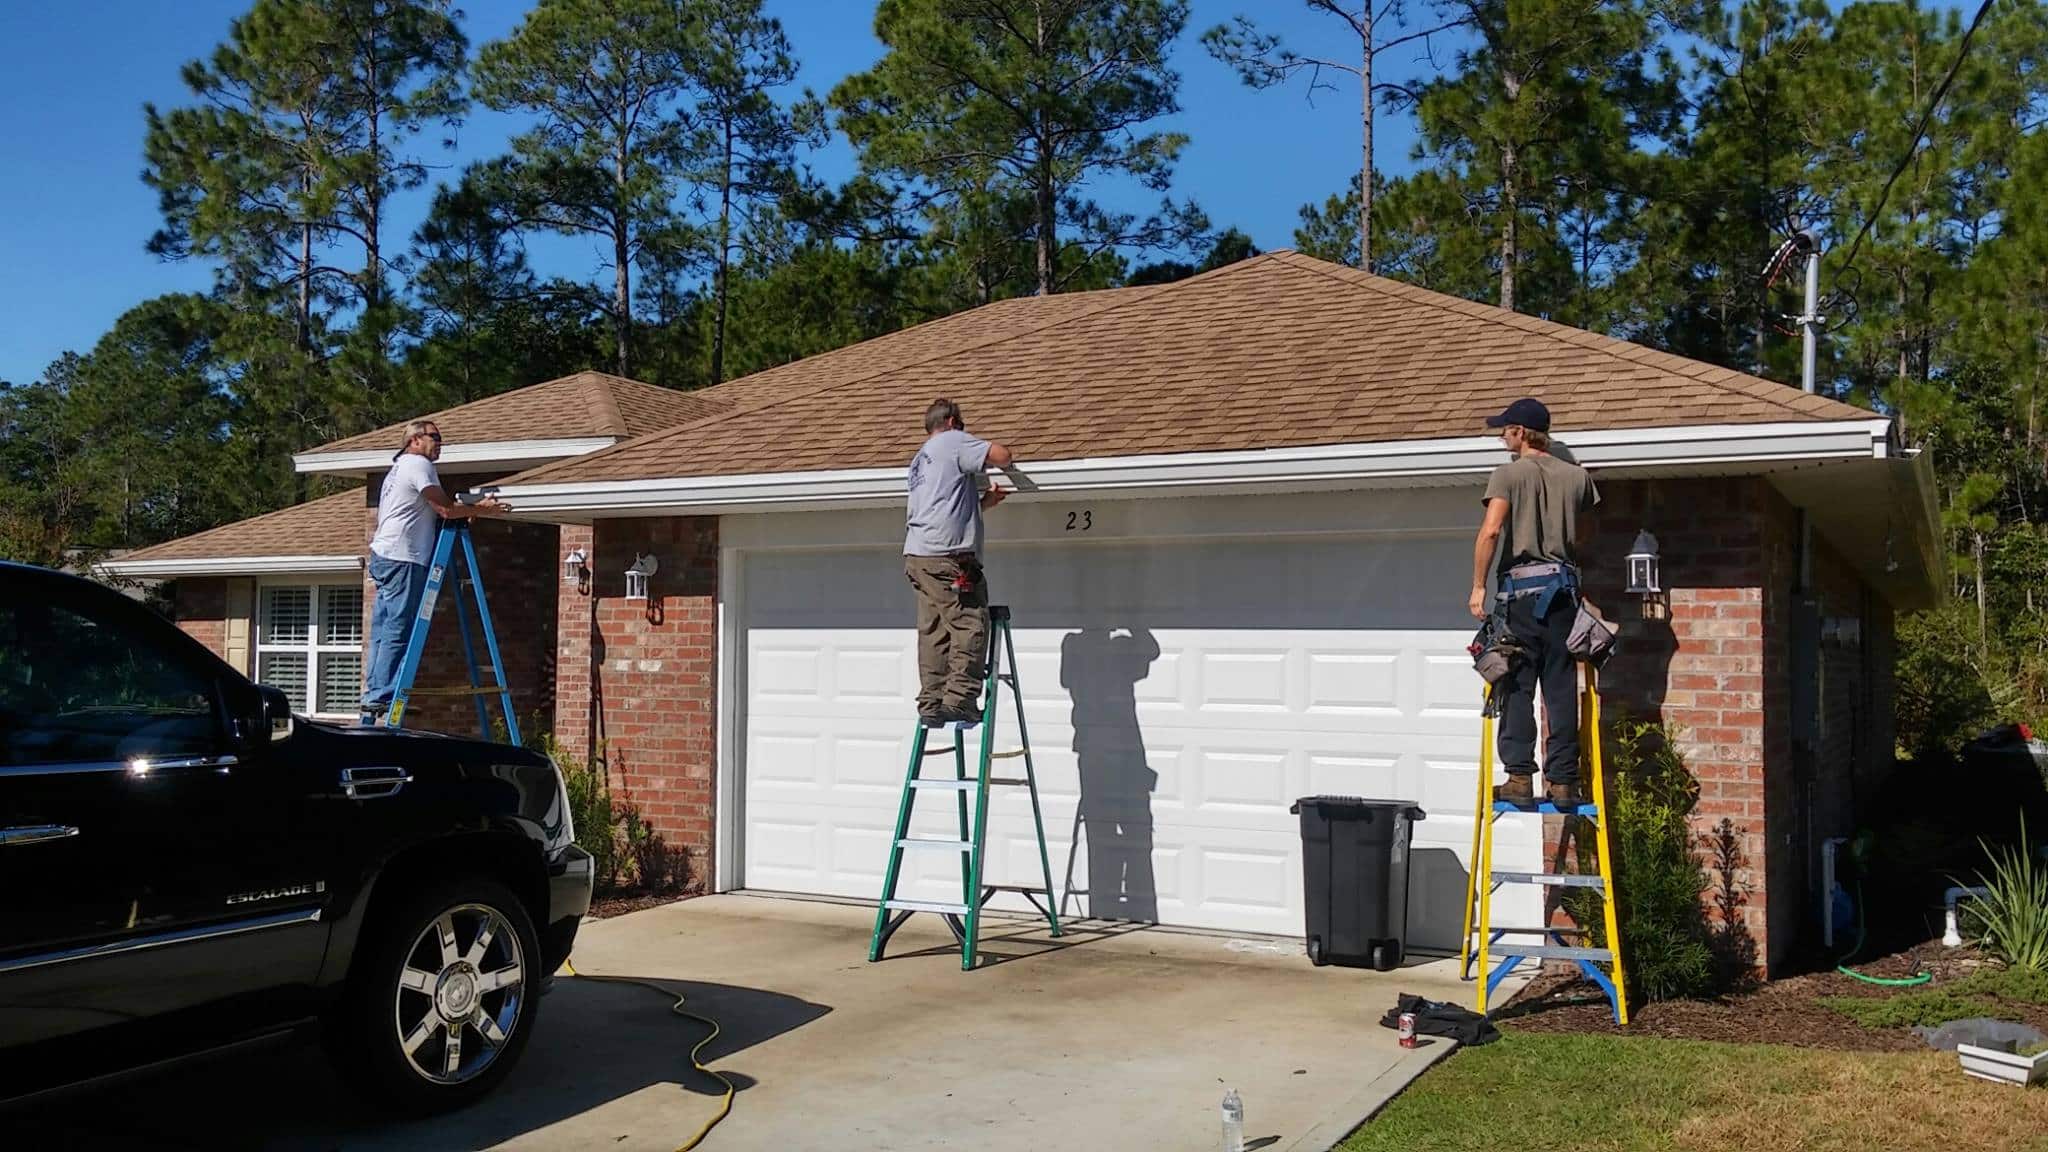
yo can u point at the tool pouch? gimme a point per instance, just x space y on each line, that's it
1591 639
1494 651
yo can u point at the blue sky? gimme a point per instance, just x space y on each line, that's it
75 215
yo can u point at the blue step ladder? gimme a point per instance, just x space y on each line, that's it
1483 939
438 571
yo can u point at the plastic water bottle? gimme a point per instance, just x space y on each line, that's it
1233 1122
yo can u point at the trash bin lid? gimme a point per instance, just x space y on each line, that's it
1356 807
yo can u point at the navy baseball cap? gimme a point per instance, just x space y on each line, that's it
1528 412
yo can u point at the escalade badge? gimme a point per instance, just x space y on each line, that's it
277 893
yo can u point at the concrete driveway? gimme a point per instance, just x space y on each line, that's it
1115 1037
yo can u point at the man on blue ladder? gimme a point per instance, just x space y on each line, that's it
410 508
1535 501
942 559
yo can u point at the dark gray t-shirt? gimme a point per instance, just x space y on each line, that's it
945 500
1545 496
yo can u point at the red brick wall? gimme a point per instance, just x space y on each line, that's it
520 565
1718 667
649 707
575 638
201 604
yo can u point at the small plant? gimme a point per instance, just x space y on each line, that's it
1659 877
1927 1008
2010 920
625 853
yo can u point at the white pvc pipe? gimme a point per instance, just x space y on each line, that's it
1951 931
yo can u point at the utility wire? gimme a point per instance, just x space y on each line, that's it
1919 132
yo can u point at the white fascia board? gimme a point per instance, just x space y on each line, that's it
485 454
1704 447
230 566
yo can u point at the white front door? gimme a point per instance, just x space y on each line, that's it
1181 692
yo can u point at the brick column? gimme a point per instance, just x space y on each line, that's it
575 633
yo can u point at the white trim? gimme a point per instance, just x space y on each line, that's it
479 454
1707 447
729 805
231 566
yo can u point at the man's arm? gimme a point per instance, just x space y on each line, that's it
450 509
998 457
1482 552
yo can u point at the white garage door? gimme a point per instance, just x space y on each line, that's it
1180 695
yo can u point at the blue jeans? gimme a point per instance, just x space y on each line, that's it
399 587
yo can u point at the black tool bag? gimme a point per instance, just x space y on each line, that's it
1436 1018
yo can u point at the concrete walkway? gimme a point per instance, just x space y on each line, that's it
1115 1037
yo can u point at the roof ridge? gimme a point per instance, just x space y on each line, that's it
598 393
143 553
1613 346
1135 294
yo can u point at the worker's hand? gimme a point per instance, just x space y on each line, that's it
491 506
1477 604
993 497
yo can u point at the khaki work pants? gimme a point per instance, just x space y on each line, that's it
952 630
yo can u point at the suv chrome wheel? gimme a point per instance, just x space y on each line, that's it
460 994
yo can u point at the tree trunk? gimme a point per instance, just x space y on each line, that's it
1510 201
724 260
373 200
1365 123
1983 620
1046 206
304 318
622 251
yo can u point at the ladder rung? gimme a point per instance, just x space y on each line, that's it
483 690
1033 889
1548 951
947 845
1550 879
1010 755
925 906
944 785
1538 931
938 751
1546 808
1009 781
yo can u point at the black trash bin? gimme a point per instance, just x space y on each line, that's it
1354 864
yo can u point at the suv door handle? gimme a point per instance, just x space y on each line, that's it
144 765
373 783
36 833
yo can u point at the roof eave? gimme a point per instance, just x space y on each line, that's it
1698 449
476 455
170 569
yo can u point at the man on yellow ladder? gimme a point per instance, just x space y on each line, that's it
1534 501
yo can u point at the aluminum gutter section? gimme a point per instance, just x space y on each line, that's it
229 566
485 453
1704 447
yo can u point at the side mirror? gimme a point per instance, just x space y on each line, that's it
275 723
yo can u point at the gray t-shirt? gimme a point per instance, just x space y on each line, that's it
945 500
406 523
1545 496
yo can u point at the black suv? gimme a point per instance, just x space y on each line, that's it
185 865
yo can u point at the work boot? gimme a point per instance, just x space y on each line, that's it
968 713
1564 797
1520 789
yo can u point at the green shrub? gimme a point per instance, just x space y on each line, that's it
625 853
1926 1008
1666 949
2010 920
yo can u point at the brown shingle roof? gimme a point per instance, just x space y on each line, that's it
583 405
330 526
1279 351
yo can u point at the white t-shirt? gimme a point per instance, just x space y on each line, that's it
406 523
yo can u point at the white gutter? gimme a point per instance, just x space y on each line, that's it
1703 446
229 566
514 453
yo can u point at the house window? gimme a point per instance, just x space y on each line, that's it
309 645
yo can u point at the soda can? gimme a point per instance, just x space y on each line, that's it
1406 1032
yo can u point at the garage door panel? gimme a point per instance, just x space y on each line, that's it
1180 696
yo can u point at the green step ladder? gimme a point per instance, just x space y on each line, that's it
438 570
1483 939
964 918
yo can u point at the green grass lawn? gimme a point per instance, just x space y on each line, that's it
1536 1092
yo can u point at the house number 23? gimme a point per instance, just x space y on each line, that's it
1081 521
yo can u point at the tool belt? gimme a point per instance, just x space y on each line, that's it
1544 580
970 575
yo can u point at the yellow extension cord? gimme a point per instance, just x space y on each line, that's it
725 1106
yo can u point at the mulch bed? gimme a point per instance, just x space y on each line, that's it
1784 1011
610 904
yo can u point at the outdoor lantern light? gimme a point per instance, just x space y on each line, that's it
576 571
636 576
1642 566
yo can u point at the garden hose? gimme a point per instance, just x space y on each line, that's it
725 1106
1844 969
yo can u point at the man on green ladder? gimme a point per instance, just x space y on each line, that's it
942 558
